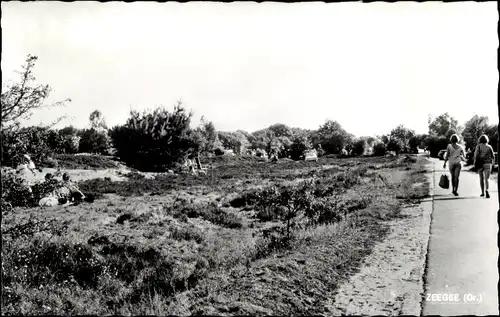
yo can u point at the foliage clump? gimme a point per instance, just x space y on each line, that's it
154 140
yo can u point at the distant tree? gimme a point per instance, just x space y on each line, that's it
204 137
299 144
71 139
370 140
95 139
97 121
69 130
414 143
492 133
262 139
379 148
385 139
359 147
281 130
281 145
18 100
333 137
55 141
236 141
443 125
435 144
421 140
395 145
402 134
473 129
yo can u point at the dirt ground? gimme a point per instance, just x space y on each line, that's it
114 174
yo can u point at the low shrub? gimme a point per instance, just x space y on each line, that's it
248 198
210 212
14 192
272 240
189 233
132 187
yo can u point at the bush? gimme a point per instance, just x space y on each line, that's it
359 147
395 145
14 194
436 144
71 139
54 141
273 240
248 198
154 141
93 141
414 143
187 234
29 140
210 212
299 145
379 149
286 203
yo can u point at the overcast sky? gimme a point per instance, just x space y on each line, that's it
248 65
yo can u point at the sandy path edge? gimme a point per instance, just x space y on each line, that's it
391 279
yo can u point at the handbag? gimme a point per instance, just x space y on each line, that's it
444 182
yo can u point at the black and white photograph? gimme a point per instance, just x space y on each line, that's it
249 158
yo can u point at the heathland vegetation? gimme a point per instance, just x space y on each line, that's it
160 241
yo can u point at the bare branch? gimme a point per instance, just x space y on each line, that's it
19 99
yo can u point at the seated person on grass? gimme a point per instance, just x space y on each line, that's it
58 192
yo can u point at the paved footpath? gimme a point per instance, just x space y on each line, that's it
463 251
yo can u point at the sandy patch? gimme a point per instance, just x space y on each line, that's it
77 175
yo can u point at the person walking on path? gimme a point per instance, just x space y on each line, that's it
455 153
483 160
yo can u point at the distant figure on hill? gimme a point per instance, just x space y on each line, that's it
484 156
455 153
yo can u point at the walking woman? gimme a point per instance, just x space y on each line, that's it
483 160
455 153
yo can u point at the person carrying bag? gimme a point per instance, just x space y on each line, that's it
455 154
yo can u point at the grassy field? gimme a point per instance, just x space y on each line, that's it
183 244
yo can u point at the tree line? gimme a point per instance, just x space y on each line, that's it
154 140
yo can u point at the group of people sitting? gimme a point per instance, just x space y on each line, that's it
52 191
59 192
